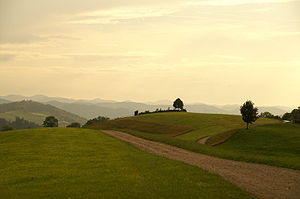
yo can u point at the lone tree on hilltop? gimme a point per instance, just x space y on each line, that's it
249 112
178 104
50 121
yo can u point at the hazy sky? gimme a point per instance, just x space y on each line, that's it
210 51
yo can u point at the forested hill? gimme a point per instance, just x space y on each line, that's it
36 112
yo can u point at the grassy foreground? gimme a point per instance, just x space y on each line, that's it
203 124
82 163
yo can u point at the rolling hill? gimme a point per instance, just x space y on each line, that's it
36 112
269 141
81 163
197 125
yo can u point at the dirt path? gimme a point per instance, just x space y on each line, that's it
203 140
264 181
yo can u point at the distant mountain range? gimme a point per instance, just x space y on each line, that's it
37 112
113 109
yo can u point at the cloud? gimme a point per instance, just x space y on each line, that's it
6 57
111 57
233 2
16 37
113 16
228 57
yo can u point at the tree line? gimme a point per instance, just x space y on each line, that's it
293 116
177 104
19 123
250 114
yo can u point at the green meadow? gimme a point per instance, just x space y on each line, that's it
268 141
83 163
202 124
276 143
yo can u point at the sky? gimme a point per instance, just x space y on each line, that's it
206 51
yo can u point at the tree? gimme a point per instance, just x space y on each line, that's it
50 121
74 125
249 112
287 116
296 115
21 123
178 104
270 115
266 115
136 113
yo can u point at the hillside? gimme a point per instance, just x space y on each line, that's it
81 163
268 141
3 101
89 110
36 112
278 143
200 125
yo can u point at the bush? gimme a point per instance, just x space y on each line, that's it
95 120
74 125
6 128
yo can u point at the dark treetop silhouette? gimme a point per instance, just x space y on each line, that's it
249 112
178 104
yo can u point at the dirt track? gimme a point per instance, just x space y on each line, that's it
203 140
264 181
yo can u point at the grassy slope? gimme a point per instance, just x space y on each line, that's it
276 143
203 124
78 163
143 126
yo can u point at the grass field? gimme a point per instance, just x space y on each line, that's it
275 143
143 126
202 124
83 163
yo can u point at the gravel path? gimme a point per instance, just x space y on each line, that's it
264 181
203 140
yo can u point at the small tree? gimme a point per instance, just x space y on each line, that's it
74 125
50 121
136 113
178 104
249 112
